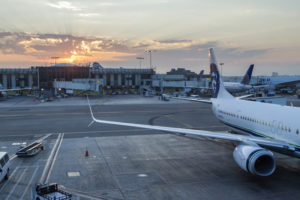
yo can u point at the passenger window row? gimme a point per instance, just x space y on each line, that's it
262 122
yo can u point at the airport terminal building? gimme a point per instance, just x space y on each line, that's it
97 80
72 79
77 78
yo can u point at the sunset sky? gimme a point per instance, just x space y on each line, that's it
115 32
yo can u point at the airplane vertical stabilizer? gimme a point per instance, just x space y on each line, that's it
219 90
201 72
247 78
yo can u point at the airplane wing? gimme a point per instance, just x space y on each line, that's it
5 90
218 135
287 84
193 99
244 96
196 87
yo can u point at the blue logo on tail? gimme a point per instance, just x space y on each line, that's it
247 78
215 79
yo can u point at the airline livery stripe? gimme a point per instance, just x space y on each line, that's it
256 133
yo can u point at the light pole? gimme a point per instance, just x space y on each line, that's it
221 68
140 61
55 57
150 54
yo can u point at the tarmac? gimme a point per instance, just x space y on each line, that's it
130 163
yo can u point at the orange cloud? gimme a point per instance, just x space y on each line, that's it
41 47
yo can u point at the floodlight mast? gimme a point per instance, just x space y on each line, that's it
55 57
140 61
150 54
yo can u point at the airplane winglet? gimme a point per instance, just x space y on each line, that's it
91 111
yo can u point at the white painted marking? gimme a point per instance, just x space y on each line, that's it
54 159
51 159
73 174
46 136
3 147
18 143
142 175
107 131
82 194
12 157
17 183
10 176
105 112
29 184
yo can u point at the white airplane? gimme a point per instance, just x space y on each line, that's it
243 85
272 127
235 87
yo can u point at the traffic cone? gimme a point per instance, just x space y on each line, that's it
86 153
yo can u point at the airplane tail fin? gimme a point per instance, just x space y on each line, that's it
201 72
247 78
219 90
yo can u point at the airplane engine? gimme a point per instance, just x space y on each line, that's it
255 159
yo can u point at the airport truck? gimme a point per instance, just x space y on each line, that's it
4 166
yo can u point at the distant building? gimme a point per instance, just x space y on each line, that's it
182 71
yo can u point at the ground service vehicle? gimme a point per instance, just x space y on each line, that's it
30 150
50 192
4 166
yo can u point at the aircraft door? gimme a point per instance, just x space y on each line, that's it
274 127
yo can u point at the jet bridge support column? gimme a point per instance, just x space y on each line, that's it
112 84
13 81
4 81
22 81
138 80
30 80
104 79
119 80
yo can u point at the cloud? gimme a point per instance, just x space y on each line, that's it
102 4
4 34
43 46
26 48
64 5
88 14
173 41
64 45
164 44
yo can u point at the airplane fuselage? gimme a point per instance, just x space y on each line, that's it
260 119
236 87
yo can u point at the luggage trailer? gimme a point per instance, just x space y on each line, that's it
30 150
